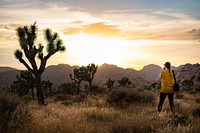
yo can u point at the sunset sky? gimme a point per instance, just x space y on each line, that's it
127 33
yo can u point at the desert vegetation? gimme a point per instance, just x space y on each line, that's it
122 110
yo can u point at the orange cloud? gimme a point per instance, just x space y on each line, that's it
71 31
107 30
100 28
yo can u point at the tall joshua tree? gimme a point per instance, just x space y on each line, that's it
78 77
27 36
90 70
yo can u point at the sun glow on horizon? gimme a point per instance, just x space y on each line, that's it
85 49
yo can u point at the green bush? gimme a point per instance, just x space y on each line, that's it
123 97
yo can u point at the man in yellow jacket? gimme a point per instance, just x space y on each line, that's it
167 82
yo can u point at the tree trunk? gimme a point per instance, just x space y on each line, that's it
90 86
78 88
32 92
40 93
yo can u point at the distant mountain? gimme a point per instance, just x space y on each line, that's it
6 78
59 74
6 69
113 72
150 72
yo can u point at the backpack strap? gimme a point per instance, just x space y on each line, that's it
174 76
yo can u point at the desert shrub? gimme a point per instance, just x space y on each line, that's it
61 97
95 89
179 96
27 98
180 119
119 129
66 103
67 88
96 115
19 118
100 105
131 127
8 104
196 113
80 98
73 98
197 100
124 96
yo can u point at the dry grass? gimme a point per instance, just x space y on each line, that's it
95 115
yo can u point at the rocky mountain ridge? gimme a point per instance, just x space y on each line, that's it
59 74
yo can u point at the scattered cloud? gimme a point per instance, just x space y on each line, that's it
195 33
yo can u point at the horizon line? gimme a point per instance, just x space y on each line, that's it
100 66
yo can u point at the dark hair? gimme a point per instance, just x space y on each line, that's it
168 66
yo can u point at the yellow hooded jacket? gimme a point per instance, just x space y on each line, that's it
167 81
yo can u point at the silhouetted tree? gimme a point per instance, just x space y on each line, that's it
78 76
27 36
89 72
25 82
124 81
110 83
47 88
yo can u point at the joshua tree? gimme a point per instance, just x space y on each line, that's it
90 70
78 77
24 83
47 88
124 81
110 83
27 36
